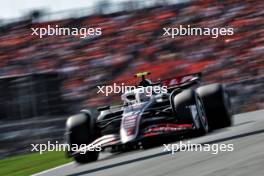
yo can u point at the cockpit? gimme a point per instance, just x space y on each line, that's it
139 95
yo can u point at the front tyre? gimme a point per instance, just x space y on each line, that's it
80 129
217 105
189 109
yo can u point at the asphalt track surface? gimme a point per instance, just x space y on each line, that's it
247 158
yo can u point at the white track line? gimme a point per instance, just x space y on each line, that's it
45 171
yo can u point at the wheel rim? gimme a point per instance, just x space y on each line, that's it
202 115
227 103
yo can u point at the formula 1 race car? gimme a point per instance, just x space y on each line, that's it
183 107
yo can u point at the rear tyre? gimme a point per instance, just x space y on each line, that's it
217 105
81 129
189 109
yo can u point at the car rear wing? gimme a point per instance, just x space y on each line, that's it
183 80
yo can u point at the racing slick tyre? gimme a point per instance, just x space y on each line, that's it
217 105
80 130
189 109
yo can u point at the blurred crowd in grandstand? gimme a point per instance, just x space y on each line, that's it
133 42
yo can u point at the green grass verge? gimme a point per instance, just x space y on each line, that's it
31 163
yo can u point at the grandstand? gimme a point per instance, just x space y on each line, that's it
133 41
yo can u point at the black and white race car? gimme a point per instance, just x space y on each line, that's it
184 107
